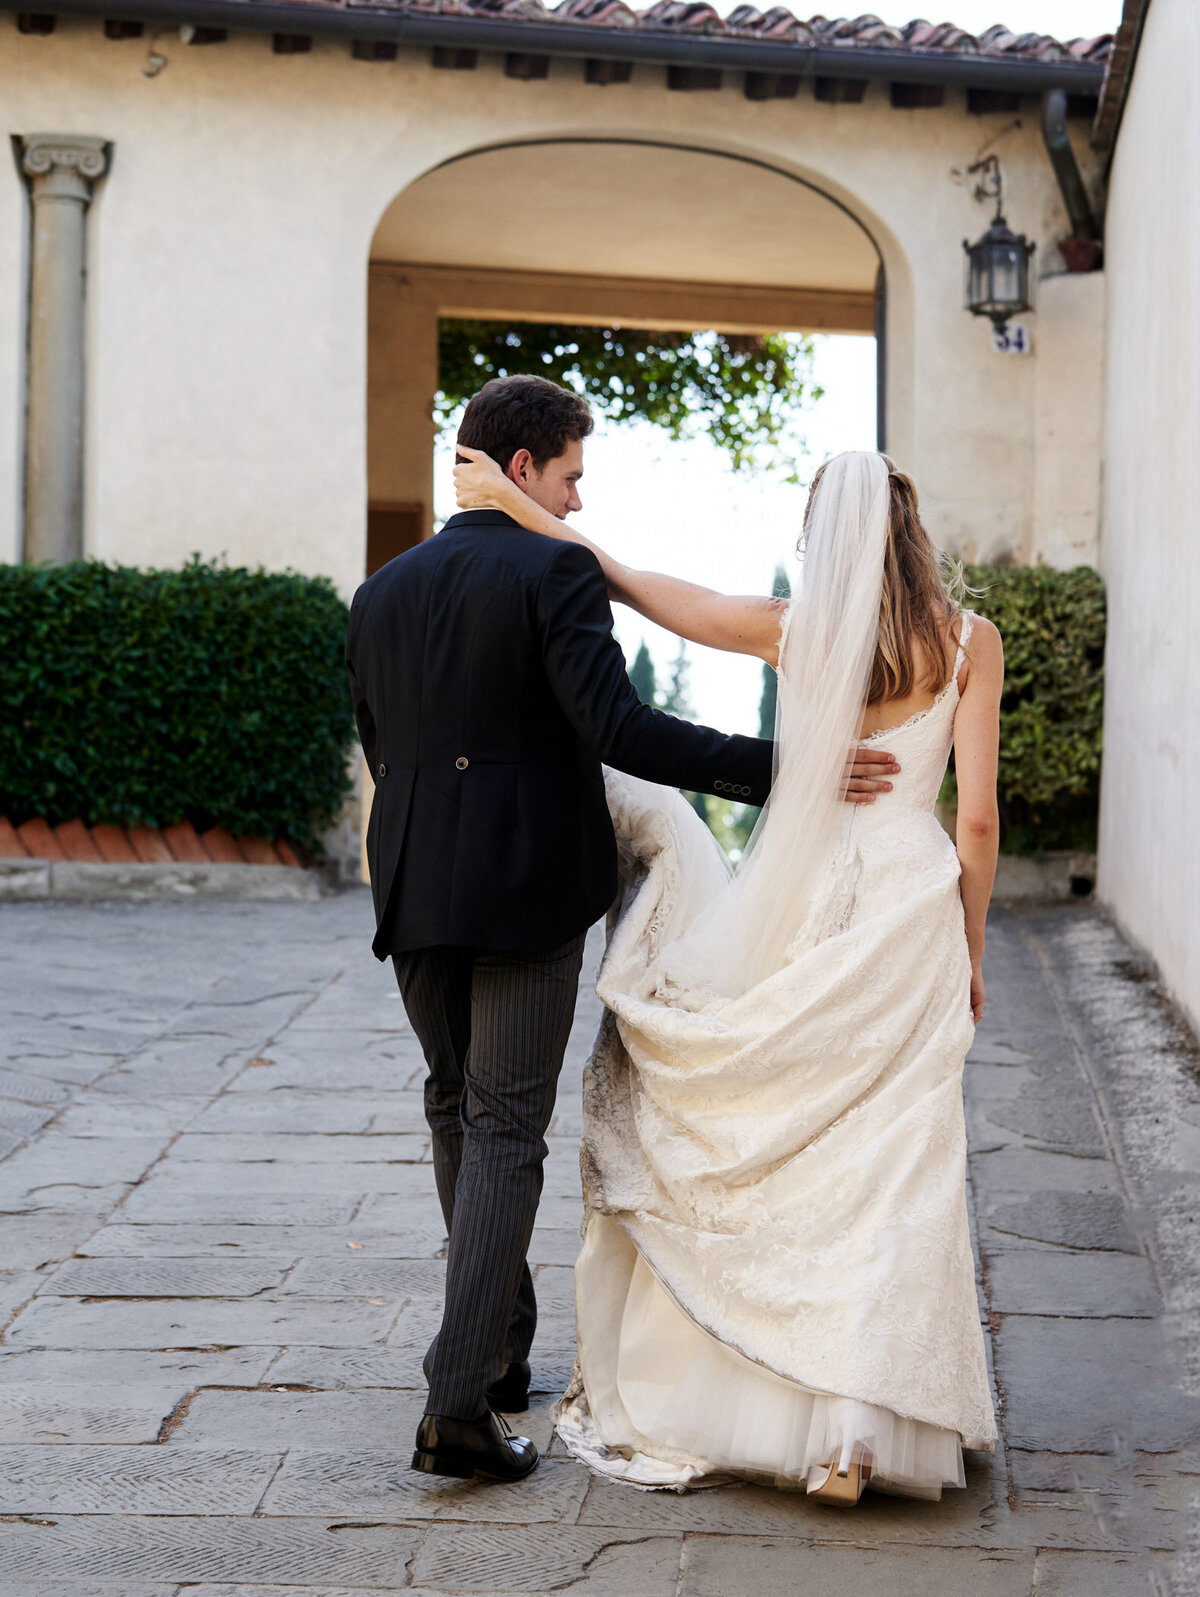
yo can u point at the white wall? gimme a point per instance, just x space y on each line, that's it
1150 802
229 273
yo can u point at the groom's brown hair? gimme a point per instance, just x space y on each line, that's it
512 413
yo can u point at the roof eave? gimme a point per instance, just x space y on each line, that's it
1118 76
579 40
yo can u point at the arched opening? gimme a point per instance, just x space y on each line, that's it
592 232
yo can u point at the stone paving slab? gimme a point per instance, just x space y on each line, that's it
351 1276
194 1322
97 1113
234 1204
21 1120
46 1412
1078 1575
378 1483
504 1558
375 1420
196 1178
86 1588
128 1368
294 1110
165 1278
1099 1387
1049 1281
192 1549
719 1566
1099 1221
264 1287
133 1480
290 1149
290 1241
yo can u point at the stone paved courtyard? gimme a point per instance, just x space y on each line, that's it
222 1262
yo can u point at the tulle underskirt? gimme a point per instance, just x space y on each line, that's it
666 1404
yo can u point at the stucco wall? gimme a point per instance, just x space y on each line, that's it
229 247
1150 803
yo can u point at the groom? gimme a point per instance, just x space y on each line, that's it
489 691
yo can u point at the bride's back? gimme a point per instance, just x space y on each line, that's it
887 713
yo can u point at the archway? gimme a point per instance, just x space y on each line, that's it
592 231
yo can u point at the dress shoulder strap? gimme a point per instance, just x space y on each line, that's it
964 636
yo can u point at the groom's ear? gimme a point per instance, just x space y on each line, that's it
519 468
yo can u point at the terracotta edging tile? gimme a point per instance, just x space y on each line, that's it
77 842
258 851
40 840
114 846
149 845
184 844
11 846
106 844
222 847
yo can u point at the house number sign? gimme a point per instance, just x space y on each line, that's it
1012 339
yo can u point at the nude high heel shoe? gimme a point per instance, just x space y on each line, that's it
842 1484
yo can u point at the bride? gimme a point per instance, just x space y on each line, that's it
776 1279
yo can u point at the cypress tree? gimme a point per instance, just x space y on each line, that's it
677 698
641 674
781 588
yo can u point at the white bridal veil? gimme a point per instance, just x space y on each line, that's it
743 934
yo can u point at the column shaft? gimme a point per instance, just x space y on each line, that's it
63 170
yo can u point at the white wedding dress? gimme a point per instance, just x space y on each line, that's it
776 1268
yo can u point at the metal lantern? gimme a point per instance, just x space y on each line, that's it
997 263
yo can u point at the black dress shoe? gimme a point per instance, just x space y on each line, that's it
509 1392
464 1448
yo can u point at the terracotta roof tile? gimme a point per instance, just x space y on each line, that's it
694 19
683 16
598 13
778 24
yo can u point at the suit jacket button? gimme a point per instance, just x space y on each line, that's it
382 768
462 762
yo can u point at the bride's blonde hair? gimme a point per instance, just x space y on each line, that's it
921 588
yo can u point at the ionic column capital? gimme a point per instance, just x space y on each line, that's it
64 165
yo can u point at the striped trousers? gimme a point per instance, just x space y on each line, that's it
494 1029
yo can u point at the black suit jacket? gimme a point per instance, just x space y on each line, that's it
488 688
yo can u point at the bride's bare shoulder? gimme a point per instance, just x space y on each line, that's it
984 651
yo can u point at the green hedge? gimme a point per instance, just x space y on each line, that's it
1053 625
211 694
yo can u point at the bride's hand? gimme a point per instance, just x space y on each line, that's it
481 485
977 994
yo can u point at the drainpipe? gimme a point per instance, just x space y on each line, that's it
1084 249
62 169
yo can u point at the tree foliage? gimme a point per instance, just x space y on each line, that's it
744 391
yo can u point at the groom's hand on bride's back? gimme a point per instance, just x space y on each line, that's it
867 774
